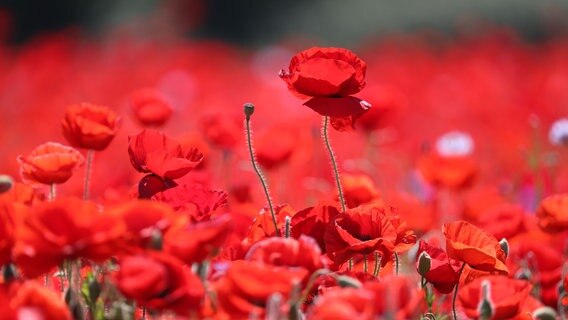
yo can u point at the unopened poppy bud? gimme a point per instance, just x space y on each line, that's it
249 109
6 183
505 246
157 240
485 307
424 263
545 313
347 282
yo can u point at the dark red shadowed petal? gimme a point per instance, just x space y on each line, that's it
338 107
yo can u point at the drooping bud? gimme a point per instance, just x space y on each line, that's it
505 246
348 282
248 109
6 183
485 307
424 263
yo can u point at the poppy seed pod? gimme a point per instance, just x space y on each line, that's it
424 263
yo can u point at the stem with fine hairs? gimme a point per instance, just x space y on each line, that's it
88 168
325 137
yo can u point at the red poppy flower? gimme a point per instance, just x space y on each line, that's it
263 225
396 296
358 189
552 213
150 107
313 221
49 163
152 151
67 228
443 273
143 218
158 281
23 194
448 171
30 300
274 147
506 296
288 252
195 242
475 247
343 304
362 230
194 200
89 126
329 76
222 130
503 221
7 212
247 285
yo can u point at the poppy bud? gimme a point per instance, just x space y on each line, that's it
424 263
157 240
249 109
545 313
348 282
6 183
504 244
485 307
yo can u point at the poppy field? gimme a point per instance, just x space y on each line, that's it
417 176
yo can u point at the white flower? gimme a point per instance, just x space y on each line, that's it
558 133
454 143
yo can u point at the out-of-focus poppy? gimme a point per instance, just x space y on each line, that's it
158 281
67 228
152 151
263 225
450 172
195 242
150 108
343 304
329 76
473 246
506 296
30 300
503 221
7 212
89 126
358 189
23 194
221 130
362 230
288 252
443 272
395 297
274 147
49 163
552 213
247 285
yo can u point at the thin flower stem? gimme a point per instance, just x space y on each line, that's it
52 192
350 264
456 294
88 168
377 264
325 137
396 263
249 109
288 222
365 267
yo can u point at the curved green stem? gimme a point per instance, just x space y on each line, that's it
456 294
259 174
325 137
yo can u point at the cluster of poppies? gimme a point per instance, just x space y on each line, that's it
435 188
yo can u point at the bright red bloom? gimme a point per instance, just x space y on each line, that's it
152 151
89 126
329 76
7 212
503 221
49 163
443 273
475 247
195 242
30 300
343 304
506 296
65 229
274 147
288 252
247 285
359 189
394 295
451 172
150 108
158 281
552 213
222 130
313 221
263 226
362 230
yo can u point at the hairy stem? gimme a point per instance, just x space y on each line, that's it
88 168
324 134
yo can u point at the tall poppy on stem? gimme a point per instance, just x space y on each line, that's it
329 76
90 127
